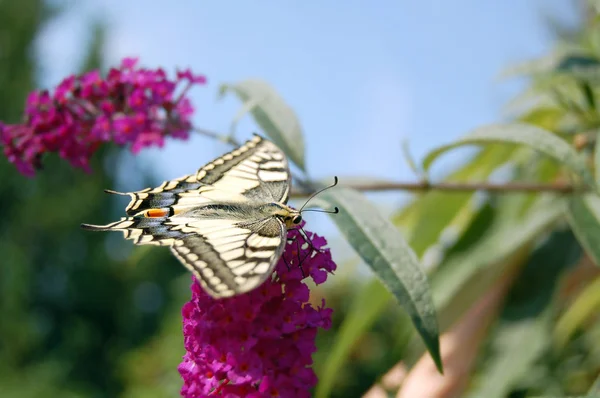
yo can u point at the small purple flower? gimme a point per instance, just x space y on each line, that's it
132 105
258 344
191 77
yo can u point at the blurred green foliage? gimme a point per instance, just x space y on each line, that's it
85 315
72 304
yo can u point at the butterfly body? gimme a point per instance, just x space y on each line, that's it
227 223
242 211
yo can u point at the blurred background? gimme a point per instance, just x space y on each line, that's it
90 316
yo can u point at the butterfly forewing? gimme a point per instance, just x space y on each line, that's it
212 220
258 170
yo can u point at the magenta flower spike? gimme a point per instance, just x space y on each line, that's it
259 344
131 105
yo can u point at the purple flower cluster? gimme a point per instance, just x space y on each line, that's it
131 105
258 344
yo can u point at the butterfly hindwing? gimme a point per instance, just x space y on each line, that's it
230 257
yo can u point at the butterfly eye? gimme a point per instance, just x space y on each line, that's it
297 220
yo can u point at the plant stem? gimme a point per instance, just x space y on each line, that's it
507 187
421 186
219 137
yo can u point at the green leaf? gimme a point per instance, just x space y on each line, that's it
417 213
574 62
533 66
595 388
520 133
584 307
583 213
364 310
518 346
570 396
523 332
272 114
544 117
384 249
439 210
588 95
505 237
597 158
494 247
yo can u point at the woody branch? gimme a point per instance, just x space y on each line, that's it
423 186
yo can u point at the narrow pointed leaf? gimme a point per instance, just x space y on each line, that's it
583 213
584 308
384 249
272 114
574 62
597 158
594 390
423 229
437 210
525 134
505 243
522 334
532 66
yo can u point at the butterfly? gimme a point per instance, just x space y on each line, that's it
227 223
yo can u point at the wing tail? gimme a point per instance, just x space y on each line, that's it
110 191
114 226
142 230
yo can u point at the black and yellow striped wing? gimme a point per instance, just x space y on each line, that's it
256 171
230 257
210 220
227 256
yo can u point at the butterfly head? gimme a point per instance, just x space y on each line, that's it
293 218
290 216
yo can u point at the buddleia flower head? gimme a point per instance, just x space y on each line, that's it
260 343
131 105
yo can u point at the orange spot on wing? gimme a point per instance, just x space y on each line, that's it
157 213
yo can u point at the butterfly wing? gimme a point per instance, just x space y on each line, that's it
256 171
229 253
229 257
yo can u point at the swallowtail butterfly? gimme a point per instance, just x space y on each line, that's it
227 223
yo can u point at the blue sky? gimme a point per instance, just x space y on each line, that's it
361 76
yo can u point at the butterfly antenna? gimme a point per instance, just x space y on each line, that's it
335 182
334 211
